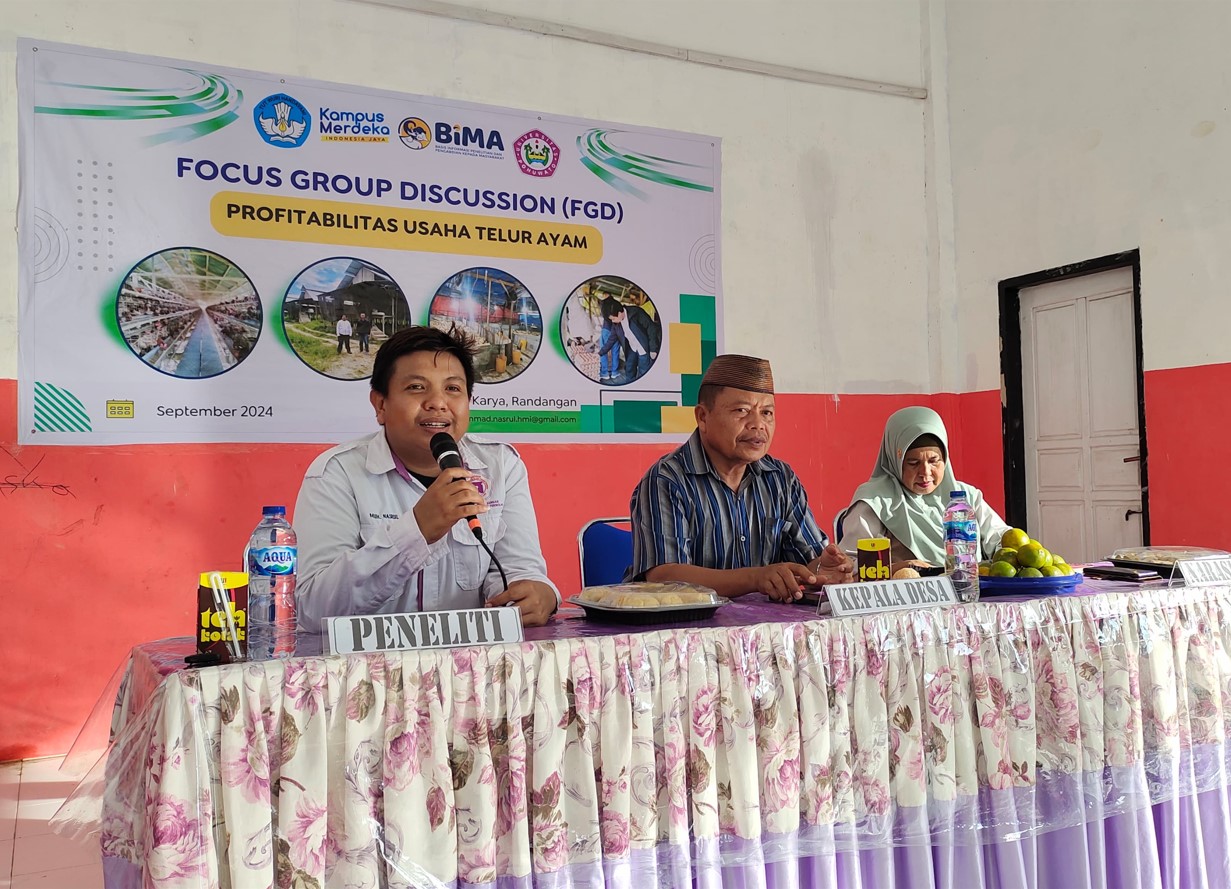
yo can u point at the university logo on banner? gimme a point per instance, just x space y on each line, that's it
282 121
537 154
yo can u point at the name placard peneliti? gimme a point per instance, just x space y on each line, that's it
890 595
1204 572
362 634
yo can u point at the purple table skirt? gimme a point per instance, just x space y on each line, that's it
1182 842
1179 844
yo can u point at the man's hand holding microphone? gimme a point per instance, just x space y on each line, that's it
453 497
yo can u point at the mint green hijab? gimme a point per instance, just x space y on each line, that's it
916 520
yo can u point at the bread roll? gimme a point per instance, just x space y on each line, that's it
906 573
697 598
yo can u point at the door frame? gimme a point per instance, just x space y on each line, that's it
1012 410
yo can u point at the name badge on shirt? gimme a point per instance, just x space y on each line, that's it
364 634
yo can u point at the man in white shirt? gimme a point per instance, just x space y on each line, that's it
642 333
382 529
343 329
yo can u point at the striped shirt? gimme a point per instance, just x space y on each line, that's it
683 513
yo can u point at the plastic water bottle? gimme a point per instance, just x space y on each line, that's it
272 556
962 547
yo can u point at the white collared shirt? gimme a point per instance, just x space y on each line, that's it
343 327
631 336
361 550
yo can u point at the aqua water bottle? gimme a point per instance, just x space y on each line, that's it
962 547
272 557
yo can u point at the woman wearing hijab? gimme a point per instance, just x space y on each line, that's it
906 496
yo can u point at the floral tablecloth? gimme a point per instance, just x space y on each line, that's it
586 760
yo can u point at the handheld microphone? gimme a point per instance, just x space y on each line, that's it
444 449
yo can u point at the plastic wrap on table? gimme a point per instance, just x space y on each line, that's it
1166 555
649 595
668 753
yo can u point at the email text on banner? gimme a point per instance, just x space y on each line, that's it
890 595
362 634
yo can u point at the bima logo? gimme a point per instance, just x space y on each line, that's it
415 133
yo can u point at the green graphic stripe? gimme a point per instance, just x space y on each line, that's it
49 420
277 322
215 98
601 140
646 161
639 416
597 153
58 410
525 421
61 403
109 321
591 418
195 130
217 94
556 337
690 386
610 178
701 310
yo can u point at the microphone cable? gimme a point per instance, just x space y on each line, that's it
478 533
445 451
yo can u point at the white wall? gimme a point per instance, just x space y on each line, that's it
1080 129
825 219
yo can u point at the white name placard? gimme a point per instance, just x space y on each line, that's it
1204 572
362 634
890 595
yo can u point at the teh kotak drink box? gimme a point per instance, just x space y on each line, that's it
873 559
213 630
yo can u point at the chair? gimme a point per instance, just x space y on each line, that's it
605 549
837 524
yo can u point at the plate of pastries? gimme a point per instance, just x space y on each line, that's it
643 603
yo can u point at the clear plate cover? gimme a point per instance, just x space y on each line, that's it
1166 555
642 596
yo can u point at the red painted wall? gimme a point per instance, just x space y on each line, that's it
1187 444
110 557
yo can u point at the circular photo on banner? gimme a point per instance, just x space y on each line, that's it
338 311
611 330
189 312
499 312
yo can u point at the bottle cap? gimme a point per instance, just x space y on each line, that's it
273 510
957 493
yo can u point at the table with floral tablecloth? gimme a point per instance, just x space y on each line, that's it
1003 743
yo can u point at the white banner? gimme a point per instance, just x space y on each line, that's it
216 255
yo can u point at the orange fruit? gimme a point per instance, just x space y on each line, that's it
1033 555
1002 569
1004 554
1014 538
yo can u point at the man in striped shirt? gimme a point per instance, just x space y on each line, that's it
719 511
